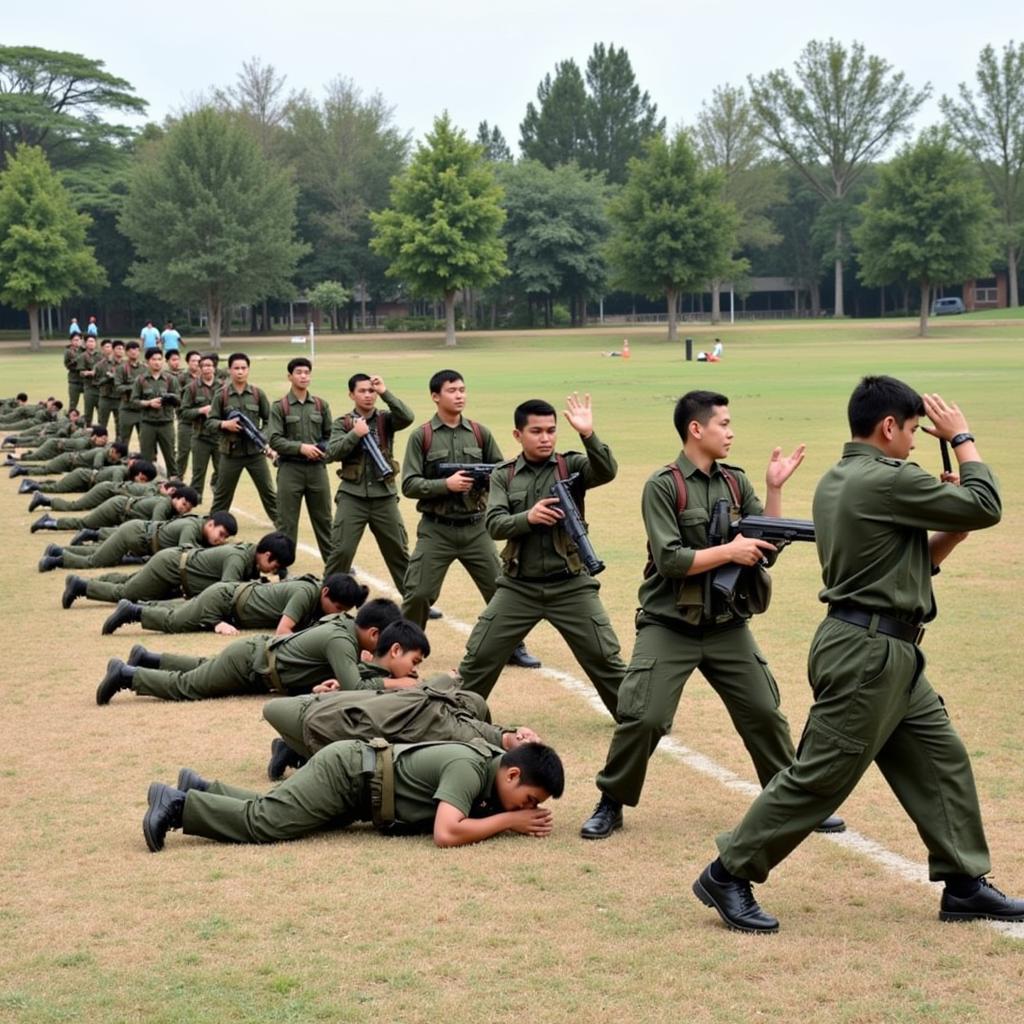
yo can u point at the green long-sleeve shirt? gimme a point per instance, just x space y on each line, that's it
147 387
264 604
308 421
250 400
872 515
330 649
357 473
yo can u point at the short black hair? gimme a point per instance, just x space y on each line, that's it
443 377
209 357
99 431
407 635
874 398
279 546
150 352
186 492
298 361
238 355
143 467
21 397
538 765
131 344
355 379
192 352
58 404
116 342
343 588
532 407
378 614
225 519
695 405
121 447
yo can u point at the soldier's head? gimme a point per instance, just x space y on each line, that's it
174 360
274 553
76 340
192 358
400 648
885 412
106 346
90 343
527 776
374 616
300 369
99 435
536 429
341 592
116 451
362 392
703 423
238 367
73 415
133 351
183 500
21 398
141 471
167 487
218 528
154 360
208 367
448 391
117 350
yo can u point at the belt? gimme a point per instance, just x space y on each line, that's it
554 577
272 675
379 765
183 571
911 632
446 521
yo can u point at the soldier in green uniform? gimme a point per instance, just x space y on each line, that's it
451 508
173 499
141 538
87 360
185 572
293 663
188 374
94 485
462 793
99 455
543 575
238 452
364 498
226 608
83 440
679 627
196 402
71 352
872 701
106 377
155 396
299 428
132 366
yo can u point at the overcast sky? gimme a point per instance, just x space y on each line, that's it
483 60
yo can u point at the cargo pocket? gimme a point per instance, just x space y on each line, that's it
827 762
769 678
635 691
604 635
478 637
413 574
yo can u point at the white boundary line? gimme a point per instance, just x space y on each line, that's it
850 840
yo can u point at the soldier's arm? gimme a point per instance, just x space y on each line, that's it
597 466
492 453
300 602
216 416
414 483
277 432
239 563
401 415
264 409
137 402
326 421
919 499
343 658
502 523
342 442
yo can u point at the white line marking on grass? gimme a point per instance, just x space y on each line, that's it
851 840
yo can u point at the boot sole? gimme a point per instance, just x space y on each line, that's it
957 917
705 897
147 825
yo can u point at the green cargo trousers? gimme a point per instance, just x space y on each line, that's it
129 420
106 413
183 446
229 469
237 669
662 661
286 715
572 606
203 454
437 546
132 539
49 449
159 435
330 791
92 498
203 612
75 390
158 578
295 481
352 515
91 400
872 702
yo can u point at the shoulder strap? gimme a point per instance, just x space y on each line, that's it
286 406
734 487
677 475
224 395
477 432
428 436
382 431
255 392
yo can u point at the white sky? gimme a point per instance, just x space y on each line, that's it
483 60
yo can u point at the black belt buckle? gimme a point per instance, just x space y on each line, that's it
920 636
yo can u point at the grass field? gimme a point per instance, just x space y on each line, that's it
354 927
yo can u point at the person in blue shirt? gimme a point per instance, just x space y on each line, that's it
149 336
93 329
171 339
73 327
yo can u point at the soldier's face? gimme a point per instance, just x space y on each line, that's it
401 663
182 506
239 372
155 363
364 396
714 437
514 795
538 437
451 399
901 439
215 534
207 369
266 563
299 378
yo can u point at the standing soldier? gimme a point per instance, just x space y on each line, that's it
132 366
451 508
237 451
155 395
364 498
71 354
106 376
87 360
196 402
188 374
299 430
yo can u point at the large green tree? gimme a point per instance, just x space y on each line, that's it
555 232
555 130
836 114
211 219
496 147
44 257
671 229
928 219
441 232
990 124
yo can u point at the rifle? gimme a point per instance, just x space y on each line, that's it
372 448
780 532
574 525
479 471
251 431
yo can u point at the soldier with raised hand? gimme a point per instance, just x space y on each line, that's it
364 498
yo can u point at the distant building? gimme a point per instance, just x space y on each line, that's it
987 292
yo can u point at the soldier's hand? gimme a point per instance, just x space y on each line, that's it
949 477
781 469
154 403
378 384
748 550
579 414
947 419
310 451
327 686
537 822
203 410
459 483
232 426
360 427
545 513
225 629
522 735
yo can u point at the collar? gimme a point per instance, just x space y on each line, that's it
689 469
439 424
864 449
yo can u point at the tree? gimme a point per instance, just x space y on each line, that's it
44 257
838 114
991 126
555 131
329 295
441 231
555 232
496 147
728 142
620 118
257 96
671 229
211 219
929 220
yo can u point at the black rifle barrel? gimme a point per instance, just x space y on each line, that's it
376 456
574 525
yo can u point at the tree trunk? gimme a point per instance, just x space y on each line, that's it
494 316
1011 275
815 298
922 326
449 319
362 305
716 301
266 316
839 277
213 314
33 328
670 301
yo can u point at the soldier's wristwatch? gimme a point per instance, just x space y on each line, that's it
958 439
